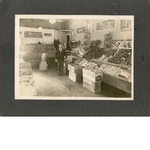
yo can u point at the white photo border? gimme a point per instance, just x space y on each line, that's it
16 51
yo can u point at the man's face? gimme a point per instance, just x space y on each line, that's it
60 46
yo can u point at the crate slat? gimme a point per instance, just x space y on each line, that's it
94 79
95 89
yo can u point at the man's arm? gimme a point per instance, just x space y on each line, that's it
65 54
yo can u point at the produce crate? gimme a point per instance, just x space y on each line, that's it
96 88
88 81
76 77
94 79
74 68
43 66
91 73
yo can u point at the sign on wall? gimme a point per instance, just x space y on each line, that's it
31 34
80 30
126 25
107 24
47 34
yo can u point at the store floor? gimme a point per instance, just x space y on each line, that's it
48 83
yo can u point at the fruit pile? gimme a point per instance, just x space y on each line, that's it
112 70
126 44
122 57
90 65
26 86
103 57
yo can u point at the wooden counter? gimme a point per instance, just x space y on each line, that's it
118 82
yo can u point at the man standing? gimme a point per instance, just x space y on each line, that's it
60 54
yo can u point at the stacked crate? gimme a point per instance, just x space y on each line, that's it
43 63
75 72
92 80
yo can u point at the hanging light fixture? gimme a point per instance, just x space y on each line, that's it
52 21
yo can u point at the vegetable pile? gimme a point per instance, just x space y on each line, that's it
122 57
90 65
94 53
36 50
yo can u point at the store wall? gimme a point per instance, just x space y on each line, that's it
55 35
117 34
35 23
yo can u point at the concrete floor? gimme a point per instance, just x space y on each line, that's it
48 83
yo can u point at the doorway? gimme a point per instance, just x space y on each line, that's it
68 44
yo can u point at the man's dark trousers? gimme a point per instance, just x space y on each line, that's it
60 66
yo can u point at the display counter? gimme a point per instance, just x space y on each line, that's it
118 82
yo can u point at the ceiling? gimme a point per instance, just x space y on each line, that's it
57 20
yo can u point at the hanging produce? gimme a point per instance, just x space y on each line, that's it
87 36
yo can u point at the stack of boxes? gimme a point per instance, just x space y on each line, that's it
75 72
43 64
92 80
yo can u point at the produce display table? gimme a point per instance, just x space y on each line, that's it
118 82
100 62
116 75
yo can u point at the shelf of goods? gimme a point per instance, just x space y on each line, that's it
75 72
26 80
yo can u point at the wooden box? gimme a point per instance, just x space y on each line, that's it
95 88
94 79
91 73
74 68
88 81
76 77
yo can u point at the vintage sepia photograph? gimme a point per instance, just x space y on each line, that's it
74 57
